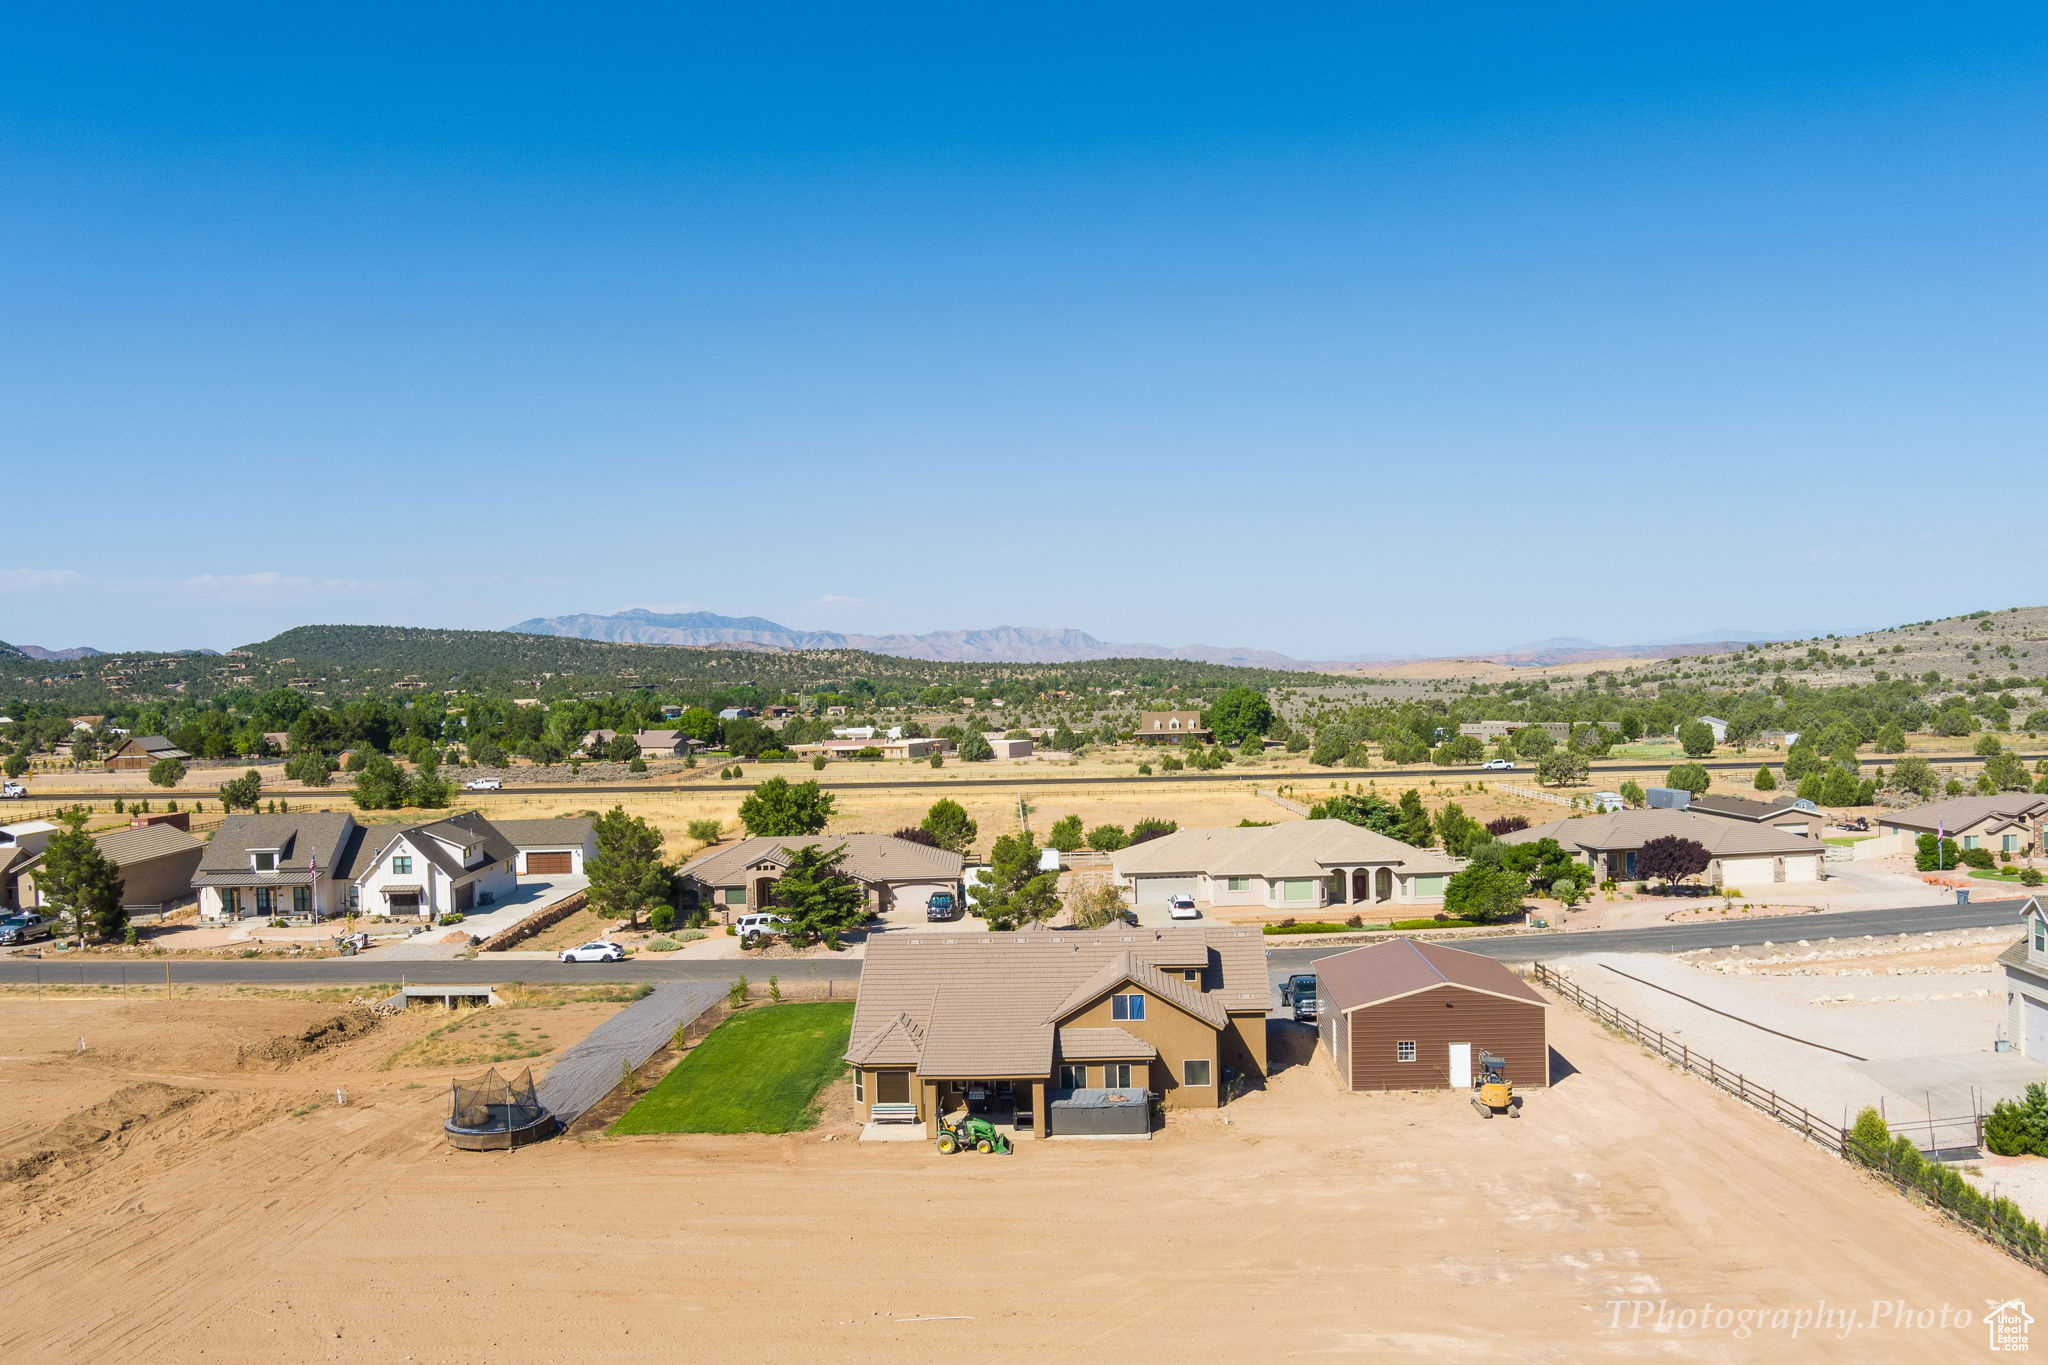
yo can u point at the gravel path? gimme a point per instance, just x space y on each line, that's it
589 1070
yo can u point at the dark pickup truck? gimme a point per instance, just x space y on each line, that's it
1299 992
941 906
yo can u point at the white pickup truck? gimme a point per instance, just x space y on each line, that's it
11 789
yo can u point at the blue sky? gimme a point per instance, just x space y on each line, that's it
1326 329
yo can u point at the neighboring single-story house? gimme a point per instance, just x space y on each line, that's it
737 713
1299 865
662 743
140 751
739 876
20 842
1008 748
1742 854
322 863
156 862
1171 727
1788 814
2006 822
889 748
1077 1029
551 848
1402 1015
2025 966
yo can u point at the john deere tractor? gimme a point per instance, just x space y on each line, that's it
1492 1091
979 1134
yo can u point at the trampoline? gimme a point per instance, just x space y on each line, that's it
489 1113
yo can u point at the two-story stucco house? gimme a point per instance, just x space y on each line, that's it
1060 1032
2025 966
1299 865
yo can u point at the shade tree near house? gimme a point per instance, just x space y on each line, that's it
781 808
627 876
1108 838
1152 828
950 826
81 884
1562 768
1696 738
1375 813
1013 891
1238 714
167 772
817 900
1672 858
1066 834
1458 749
1690 777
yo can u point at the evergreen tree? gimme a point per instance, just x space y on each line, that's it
816 897
82 885
948 822
1765 782
1415 826
627 876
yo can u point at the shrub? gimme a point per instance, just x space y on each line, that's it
705 831
1144 770
2030 876
1440 922
662 918
453 917
1978 858
1108 838
1355 922
688 935
1311 927
664 944
736 994
638 765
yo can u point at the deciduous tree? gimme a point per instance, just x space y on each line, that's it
1671 859
1696 738
242 793
1689 776
1236 714
167 772
782 808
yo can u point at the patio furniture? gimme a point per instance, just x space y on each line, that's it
1021 1119
893 1113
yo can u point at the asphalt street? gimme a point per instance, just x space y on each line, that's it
1525 774
55 970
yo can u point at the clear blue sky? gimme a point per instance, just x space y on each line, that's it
1325 329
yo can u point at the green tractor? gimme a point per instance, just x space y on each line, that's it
979 1134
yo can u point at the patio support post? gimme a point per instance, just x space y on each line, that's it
1039 1096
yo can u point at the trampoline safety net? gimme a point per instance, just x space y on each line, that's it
491 1112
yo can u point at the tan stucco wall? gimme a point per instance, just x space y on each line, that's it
1179 1036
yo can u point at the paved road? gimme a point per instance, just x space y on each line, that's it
1525 774
1916 919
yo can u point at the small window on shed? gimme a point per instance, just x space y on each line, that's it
1404 1052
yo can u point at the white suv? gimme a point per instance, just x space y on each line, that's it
747 925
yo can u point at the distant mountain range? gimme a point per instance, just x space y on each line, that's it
1038 644
998 644
49 656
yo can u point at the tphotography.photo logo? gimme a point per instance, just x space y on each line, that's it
2006 1321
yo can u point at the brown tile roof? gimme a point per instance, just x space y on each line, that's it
1722 838
896 1043
1102 1045
1962 812
1295 848
1741 808
869 858
542 833
1402 966
989 1004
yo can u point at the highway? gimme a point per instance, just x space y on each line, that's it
1267 777
346 971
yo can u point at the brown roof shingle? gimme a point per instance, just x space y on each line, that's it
1402 966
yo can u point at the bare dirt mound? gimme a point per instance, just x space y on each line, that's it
287 1048
92 1135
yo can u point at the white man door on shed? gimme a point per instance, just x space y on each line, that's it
1461 1065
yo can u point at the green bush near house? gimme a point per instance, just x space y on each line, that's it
758 1072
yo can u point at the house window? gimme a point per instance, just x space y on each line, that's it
355 898
401 866
733 895
2012 843
1116 1076
1237 883
2040 936
1969 841
1195 1071
1404 1052
264 862
1191 977
231 904
1074 1076
1297 889
1128 1007
860 1087
302 900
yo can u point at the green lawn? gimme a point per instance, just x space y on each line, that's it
758 1072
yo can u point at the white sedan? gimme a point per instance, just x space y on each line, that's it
484 784
1498 764
1182 907
597 950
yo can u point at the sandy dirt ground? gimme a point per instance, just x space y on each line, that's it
1301 1222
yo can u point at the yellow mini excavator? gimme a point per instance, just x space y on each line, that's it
1492 1091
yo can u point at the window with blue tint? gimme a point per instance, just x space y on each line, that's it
1127 1007
401 867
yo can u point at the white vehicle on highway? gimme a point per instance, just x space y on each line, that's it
1498 764
1182 907
9 789
484 784
597 950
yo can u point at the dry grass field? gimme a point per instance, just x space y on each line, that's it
170 1204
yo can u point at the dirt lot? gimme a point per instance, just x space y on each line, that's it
1308 1223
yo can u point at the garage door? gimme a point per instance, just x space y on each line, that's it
2037 1028
541 864
1159 890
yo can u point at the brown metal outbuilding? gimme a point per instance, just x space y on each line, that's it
1403 1015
